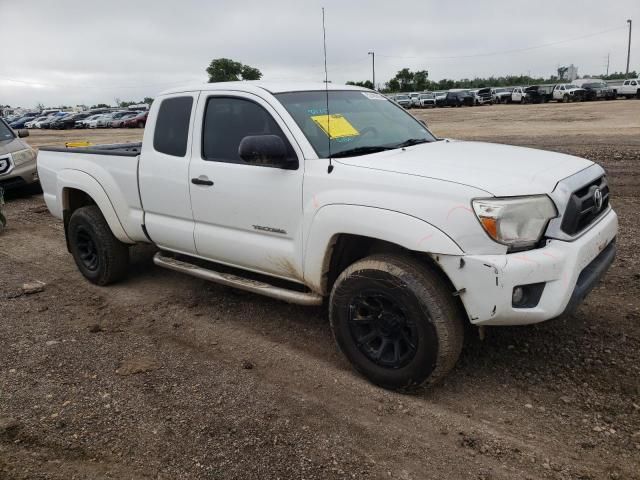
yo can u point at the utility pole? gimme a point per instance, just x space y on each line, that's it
373 67
608 55
628 50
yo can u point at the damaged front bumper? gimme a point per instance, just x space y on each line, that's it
567 271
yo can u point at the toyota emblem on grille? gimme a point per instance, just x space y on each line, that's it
597 198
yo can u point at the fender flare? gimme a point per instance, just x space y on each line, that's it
391 226
79 180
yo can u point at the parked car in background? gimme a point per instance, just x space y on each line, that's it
403 100
483 96
538 93
83 122
102 119
45 124
17 159
105 120
459 99
414 99
568 92
427 100
68 121
119 122
518 95
501 95
20 122
440 98
598 90
630 88
139 121
32 123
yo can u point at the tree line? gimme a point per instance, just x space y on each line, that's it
407 81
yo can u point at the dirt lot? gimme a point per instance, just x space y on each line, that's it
165 376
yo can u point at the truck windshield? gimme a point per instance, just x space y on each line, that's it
360 122
5 132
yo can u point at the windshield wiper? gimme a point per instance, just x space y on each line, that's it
410 142
354 152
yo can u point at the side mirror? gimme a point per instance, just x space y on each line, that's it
23 132
264 149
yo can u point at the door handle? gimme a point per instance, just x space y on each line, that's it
202 180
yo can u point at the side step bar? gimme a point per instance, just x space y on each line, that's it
250 285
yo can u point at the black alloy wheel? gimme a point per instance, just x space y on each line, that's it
382 330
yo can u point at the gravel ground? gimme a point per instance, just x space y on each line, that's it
165 376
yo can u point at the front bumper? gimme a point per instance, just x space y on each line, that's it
20 176
569 271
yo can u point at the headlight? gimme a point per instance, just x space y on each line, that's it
23 156
518 222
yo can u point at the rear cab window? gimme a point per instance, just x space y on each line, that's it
172 126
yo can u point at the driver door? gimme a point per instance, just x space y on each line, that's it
246 215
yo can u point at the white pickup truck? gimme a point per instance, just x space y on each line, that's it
305 194
567 92
629 88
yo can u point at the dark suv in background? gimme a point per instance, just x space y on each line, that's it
598 91
459 99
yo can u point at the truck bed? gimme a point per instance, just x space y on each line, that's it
120 149
107 173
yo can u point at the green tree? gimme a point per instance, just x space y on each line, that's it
147 100
365 84
421 80
250 73
227 70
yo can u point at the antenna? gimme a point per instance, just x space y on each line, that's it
326 89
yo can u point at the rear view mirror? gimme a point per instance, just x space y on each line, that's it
264 149
23 132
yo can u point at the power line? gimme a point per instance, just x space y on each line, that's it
503 52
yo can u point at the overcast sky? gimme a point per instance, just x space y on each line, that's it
84 52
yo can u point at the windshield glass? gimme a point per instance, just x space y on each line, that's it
359 120
5 132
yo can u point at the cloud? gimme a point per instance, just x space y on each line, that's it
79 51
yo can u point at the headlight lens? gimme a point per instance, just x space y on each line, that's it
518 222
23 156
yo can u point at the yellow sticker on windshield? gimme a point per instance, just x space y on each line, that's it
335 126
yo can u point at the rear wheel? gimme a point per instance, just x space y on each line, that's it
99 255
396 322
565 98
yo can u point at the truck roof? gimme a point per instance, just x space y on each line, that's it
256 85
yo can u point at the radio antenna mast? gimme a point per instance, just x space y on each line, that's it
326 89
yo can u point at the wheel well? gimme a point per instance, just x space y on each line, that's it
347 249
73 199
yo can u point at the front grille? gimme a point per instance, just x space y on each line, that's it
582 209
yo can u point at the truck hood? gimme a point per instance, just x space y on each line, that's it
500 170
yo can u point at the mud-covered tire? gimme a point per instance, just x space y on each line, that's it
99 255
425 316
565 98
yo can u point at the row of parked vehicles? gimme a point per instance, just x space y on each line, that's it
579 90
59 120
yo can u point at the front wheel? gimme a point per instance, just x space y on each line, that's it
396 322
99 255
